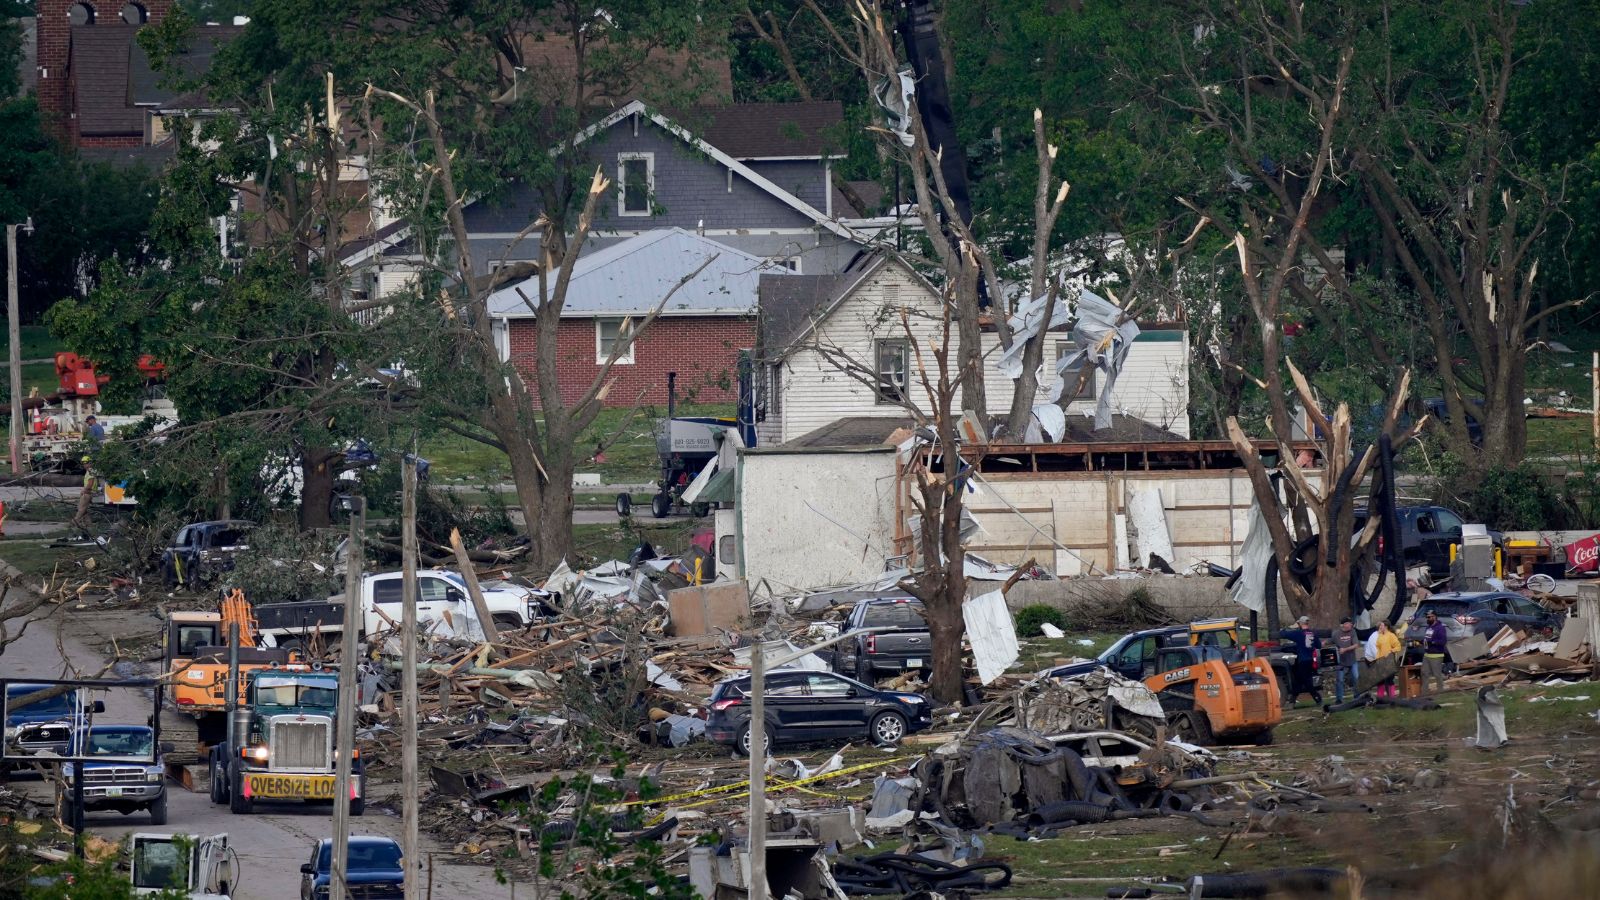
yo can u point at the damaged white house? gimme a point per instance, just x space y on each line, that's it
814 327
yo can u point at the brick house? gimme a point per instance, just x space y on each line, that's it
753 182
699 333
95 86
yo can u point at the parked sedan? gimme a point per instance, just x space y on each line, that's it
374 871
1482 612
815 706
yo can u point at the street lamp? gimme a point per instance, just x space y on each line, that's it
758 753
15 331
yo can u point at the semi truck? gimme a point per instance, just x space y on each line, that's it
282 747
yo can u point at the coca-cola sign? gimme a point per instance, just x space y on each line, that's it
1584 555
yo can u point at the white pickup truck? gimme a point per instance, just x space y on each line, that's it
442 602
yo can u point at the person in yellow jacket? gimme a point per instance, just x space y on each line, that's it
1388 645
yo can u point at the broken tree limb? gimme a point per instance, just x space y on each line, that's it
470 576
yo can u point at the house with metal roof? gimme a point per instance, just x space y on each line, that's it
702 292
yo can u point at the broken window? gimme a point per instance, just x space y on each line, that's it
636 183
891 370
606 334
1073 377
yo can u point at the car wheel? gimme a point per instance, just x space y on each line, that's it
1194 727
1264 738
661 506
624 506
887 729
507 622
742 743
64 811
158 810
358 806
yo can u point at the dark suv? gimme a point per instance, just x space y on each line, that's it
1467 613
815 706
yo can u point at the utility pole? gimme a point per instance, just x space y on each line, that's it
408 673
758 774
1594 402
759 888
348 687
14 329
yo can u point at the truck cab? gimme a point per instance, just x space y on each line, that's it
131 779
285 743
198 868
43 726
200 551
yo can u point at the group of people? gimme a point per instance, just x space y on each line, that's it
1351 653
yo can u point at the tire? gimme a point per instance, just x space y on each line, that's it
358 806
887 729
741 744
507 622
219 784
1194 727
624 506
1264 738
158 810
238 803
661 506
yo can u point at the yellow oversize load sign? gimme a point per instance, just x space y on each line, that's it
300 787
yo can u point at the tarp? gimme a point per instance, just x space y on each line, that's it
993 635
1250 588
1026 322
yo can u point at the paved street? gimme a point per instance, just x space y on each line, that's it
271 845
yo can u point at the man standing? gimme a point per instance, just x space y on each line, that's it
94 431
1347 644
1434 640
1306 647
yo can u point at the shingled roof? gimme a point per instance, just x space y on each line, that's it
767 130
113 79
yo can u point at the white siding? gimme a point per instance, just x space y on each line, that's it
1153 385
814 390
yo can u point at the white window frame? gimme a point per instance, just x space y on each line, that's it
600 352
622 183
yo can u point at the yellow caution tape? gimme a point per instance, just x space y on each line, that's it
742 786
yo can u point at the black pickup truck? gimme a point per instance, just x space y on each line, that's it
905 644
1426 533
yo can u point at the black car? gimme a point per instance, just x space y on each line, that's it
815 706
1482 612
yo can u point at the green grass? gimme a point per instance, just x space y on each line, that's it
627 436
1152 848
1560 437
1042 652
1548 715
597 543
36 344
37 558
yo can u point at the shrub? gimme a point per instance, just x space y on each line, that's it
1029 618
1507 498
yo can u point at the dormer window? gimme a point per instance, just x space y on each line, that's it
636 183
